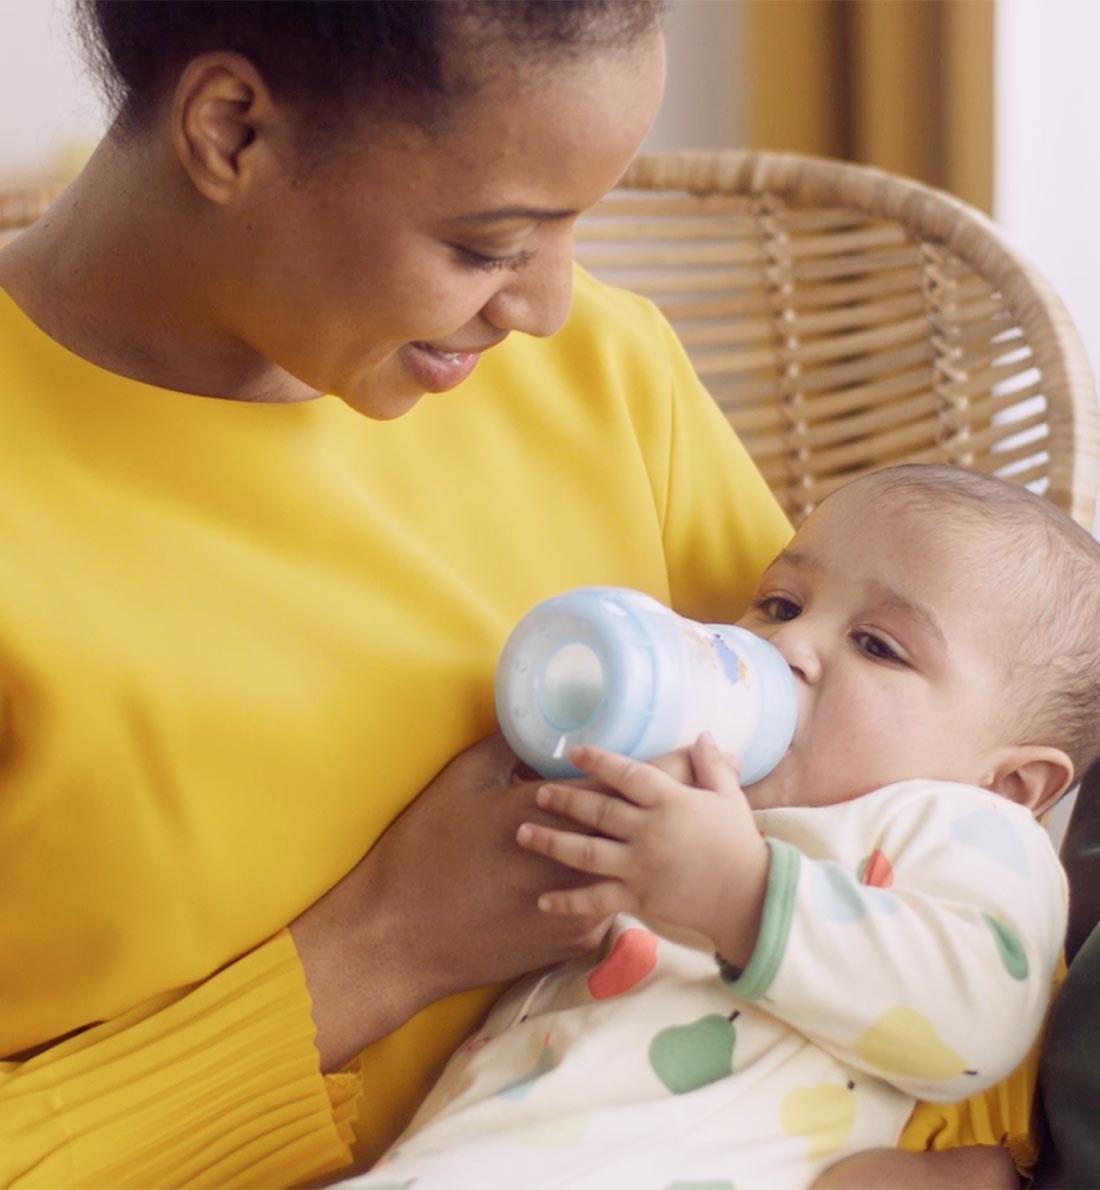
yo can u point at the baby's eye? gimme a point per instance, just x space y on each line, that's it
875 646
777 607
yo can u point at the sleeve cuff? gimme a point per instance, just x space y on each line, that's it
775 925
220 1084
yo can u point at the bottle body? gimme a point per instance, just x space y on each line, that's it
616 668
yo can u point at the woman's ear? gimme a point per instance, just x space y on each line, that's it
220 107
1034 775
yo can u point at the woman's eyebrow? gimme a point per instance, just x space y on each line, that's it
535 214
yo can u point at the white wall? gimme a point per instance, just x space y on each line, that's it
702 108
1047 184
48 108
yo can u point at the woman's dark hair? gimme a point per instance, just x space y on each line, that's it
332 57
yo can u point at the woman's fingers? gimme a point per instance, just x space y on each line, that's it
714 769
609 896
643 784
603 812
585 853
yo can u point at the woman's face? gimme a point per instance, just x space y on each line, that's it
386 273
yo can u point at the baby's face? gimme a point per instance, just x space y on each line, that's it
899 646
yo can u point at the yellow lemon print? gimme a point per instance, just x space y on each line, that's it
824 1115
902 1041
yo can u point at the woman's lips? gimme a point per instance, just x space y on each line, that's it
435 370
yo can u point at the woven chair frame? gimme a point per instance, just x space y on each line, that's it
846 319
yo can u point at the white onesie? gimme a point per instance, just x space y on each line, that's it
907 951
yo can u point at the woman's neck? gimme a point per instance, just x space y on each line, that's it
121 271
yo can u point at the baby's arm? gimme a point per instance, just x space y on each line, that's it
928 965
687 855
926 955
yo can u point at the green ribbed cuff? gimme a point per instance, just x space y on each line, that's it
775 925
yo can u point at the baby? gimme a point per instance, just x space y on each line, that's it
875 922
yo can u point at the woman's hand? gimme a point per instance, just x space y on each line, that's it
684 853
978 1167
444 901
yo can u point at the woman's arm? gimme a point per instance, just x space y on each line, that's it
977 1167
222 1082
446 900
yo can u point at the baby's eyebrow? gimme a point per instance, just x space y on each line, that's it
887 597
799 559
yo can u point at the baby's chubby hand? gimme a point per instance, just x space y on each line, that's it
686 854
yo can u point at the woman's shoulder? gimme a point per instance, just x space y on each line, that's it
610 314
606 325
614 348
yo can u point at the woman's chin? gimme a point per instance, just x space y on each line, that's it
383 398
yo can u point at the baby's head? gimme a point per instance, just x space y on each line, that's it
942 625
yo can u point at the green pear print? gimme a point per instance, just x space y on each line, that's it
1009 947
824 1115
902 1041
685 1057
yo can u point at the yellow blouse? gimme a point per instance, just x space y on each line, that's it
235 640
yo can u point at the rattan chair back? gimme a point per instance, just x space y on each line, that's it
846 319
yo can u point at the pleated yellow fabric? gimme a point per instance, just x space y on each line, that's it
214 1086
235 640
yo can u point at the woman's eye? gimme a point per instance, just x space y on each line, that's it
875 646
484 262
778 607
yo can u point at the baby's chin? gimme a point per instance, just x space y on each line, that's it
772 790
787 785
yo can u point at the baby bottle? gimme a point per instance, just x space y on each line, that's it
616 668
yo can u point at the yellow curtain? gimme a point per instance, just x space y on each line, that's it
903 84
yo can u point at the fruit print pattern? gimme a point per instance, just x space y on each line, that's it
824 1115
686 1057
632 958
907 944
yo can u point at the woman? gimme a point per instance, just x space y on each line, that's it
250 900
243 626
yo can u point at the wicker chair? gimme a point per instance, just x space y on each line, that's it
846 319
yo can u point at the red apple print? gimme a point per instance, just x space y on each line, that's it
632 958
875 870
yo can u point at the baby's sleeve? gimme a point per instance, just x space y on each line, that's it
929 960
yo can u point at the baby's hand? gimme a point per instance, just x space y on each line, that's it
685 854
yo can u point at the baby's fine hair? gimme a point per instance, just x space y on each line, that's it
1051 568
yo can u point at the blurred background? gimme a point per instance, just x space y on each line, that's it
993 100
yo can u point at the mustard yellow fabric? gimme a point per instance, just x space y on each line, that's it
235 640
1003 1115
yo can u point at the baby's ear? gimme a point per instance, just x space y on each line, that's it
1032 774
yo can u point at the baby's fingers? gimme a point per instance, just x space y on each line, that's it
604 812
609 896
643 784
714 769
585 853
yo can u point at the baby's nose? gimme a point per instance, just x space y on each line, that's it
795 642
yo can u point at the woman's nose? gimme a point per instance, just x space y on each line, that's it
536 299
